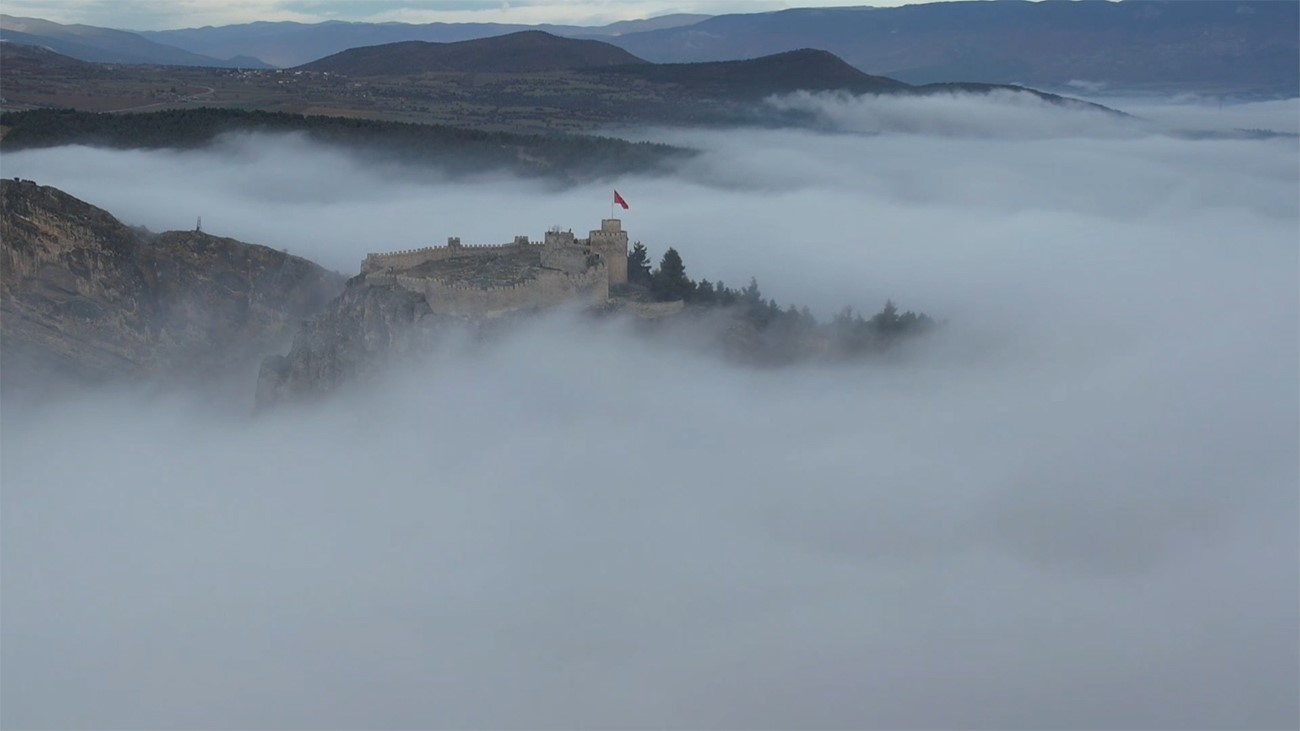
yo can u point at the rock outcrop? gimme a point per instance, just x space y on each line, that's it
364 329
378 323
81 292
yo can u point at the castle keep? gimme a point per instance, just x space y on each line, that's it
471 280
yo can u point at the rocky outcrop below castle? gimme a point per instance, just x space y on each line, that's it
378 323
366 328
85 295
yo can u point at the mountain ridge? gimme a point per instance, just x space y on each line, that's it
1232 44
522 52
808 69
107 45
543 105
1226 47
289 43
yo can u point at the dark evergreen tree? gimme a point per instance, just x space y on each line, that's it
705 293
886 322
723 294
638 265
670 281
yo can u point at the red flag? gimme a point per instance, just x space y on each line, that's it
619 200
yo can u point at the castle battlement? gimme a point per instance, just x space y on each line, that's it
610 241
567 269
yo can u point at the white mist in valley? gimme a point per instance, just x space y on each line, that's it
1073 505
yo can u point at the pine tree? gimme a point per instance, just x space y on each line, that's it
704 292
638 265
886 321
670 281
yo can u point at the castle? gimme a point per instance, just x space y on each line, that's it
492 280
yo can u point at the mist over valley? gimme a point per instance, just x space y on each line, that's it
1069 505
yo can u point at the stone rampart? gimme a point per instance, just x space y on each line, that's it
560 250
560 238
654 310
549 288
573 259
414 257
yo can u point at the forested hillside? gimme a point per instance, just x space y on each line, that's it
451 148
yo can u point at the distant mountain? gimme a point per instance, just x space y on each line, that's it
105 45
513 100
1209 46
29 58
524 52
623 27
288 44
1212 45
805 69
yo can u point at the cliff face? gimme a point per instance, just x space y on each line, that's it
364 329
83 293
377 323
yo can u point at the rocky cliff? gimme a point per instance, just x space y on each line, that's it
377 323
82 293
364 329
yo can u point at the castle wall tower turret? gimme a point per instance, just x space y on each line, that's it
611 243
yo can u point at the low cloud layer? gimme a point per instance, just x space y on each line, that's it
1209 113
1003 114
1072 507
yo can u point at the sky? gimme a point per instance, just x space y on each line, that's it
1072 506
170 14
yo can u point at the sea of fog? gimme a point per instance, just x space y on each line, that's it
1073 506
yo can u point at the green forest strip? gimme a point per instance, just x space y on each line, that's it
453 149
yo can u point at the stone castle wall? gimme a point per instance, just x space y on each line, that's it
573 269
611 243
548 289
615 253
414 257
567 258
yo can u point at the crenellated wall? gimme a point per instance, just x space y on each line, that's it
560 238
414 257
572 269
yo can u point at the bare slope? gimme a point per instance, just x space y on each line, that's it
82 293
524 52
36 58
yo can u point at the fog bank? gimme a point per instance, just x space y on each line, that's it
1074 506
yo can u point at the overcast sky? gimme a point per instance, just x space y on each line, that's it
167 14
1073 506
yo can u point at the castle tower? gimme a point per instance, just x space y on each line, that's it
611 243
